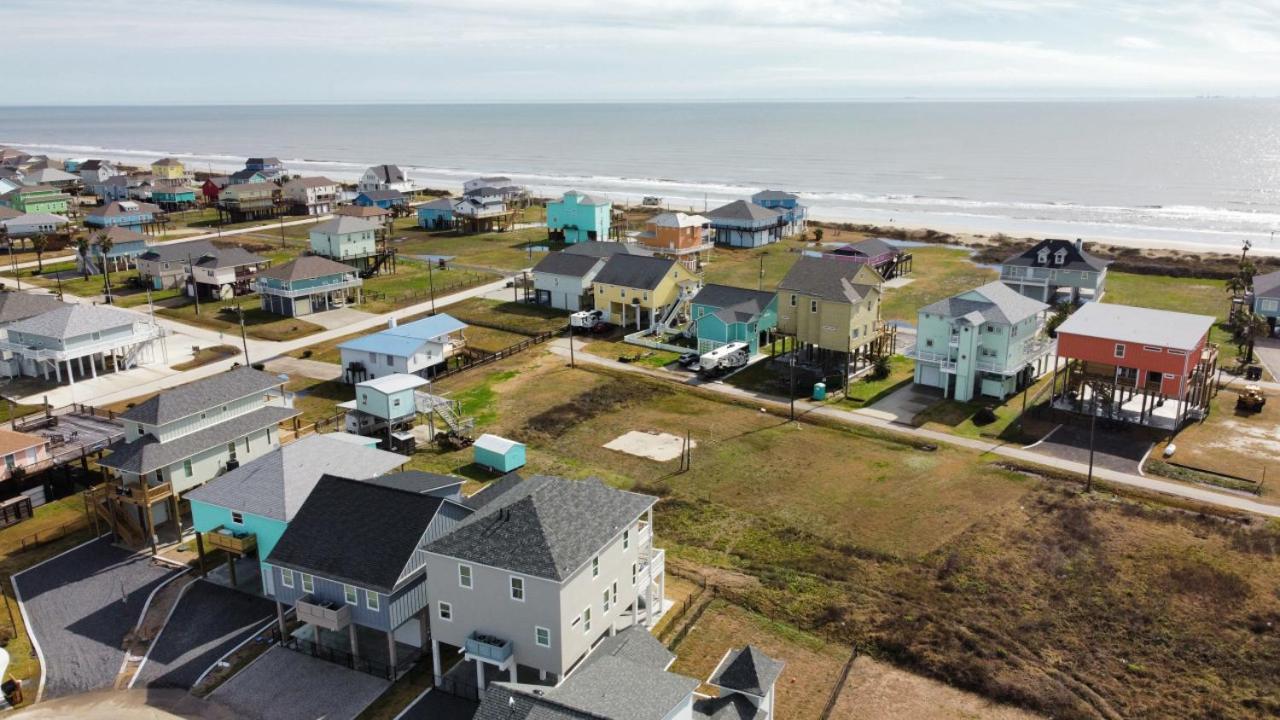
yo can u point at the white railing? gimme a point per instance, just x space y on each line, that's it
643 534
353 282
142 332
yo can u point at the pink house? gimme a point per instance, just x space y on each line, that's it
21 450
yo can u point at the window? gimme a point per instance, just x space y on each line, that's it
446 611
575 622
231 451
614 598
626 539
604 602
395 402
350 595
1119 350
595 567
586 620
517 589
373 358
793 301
268 434
372 600
464 576
635 571
237 518
542 637
1151 348
813 306
286 577
308 583
390 360
1170 376
186 468
928 343
1171 351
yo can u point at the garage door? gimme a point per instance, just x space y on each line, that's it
930 375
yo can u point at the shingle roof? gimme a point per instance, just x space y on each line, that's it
356 532
230 256
733 706
198 250
147 454
635 271
246 174
12 441
825 278
361 211
309 182
871 247
276 484
305 267
129 207
727 296
438 204
743 210
609 688
1074 258
559 263
166 161
600 248
996 303
344 224
774 195
585 199
376 195
119 236
747 670
635 645
201 395
387 173
1163 328
678 220
8 213
15 306
545 526
68 321
1267 285
417 481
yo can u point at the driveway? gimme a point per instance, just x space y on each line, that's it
340 318
298 367
1267 352
1115 449
439 705
79 606
287 685
208 622
903 405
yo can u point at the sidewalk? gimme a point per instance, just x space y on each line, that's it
866 419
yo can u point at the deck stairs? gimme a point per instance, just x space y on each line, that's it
447 410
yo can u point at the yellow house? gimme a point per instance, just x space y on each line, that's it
168 169
832 305
642 291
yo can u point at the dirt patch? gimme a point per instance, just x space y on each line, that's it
653 445
878 691
607 398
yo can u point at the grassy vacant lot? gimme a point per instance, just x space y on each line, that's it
317 399
209 355
1201 296
503 251
867 390
1243 445
614 349
514 317
410 285
258 323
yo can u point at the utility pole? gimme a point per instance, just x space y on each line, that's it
13 261
760 282
1093 422
195 289
431 287
793 383
243 338
571 358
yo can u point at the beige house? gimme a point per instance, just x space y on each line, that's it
830 306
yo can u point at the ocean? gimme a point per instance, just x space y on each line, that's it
1194 172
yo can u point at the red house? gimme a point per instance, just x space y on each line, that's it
213 186
1152 367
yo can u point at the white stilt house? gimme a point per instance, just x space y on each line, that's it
77 341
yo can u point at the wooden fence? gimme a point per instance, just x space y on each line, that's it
48 535
475 358
332 423
415 296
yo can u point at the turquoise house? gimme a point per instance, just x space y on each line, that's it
723 314
173 197
436 215
499 454
245 511
390 397
578 217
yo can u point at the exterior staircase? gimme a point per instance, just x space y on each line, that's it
123 522
447 410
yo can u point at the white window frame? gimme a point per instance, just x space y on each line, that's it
286 577
445 611
595 567
635 574
372 601
813 306
586 619
1180 353
350 594
512 588
604 603
1119 350
1152 348
470 575
237 517
538 632
308 583
626 539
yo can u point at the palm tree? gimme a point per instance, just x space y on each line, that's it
39 243
82 248
104 248
1251 327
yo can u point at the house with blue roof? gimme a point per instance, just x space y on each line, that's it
385 199
130 214
785 204
421 348
436 215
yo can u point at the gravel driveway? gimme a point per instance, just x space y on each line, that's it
288 685
208 621
74 604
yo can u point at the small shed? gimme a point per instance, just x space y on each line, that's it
497 453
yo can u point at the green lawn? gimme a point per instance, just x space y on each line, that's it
412 283
257 322
503 251
515 317
866 391
938 272
1201 296
959 417
318 399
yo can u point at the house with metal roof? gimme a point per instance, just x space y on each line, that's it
787 205
308 284
678 236
577 217
245 511
387 407
386 199
1136 364
746 225
543 571
131 214
182 438
644 292
76 341
722 314
1053 271
311 195
385 177
418 348
987 341
214 270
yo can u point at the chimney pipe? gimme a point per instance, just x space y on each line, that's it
1079 244
391 323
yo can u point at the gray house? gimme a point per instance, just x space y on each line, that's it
76 341
352 565
1056 270
543 570
563 279
746 224
1266 297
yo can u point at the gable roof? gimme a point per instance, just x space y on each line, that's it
678 220
68 321
376 195
124 207
417 481
743 210
119 236
15 306
996 303
406 339
145 454
825 278
387 173
309 182
12 441
635 645
1146 326
356 532
305 267
204 394
1075 258
545 526
605 249
203 253
276 484
747 670
609 688
569 265
727 296
438 204
395 382
635 271
584 199
1267 285
871 247
8 213
775 195
360 211
344 224
246 174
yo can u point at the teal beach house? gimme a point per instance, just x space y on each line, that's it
578 217
724 314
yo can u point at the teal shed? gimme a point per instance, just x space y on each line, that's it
497 453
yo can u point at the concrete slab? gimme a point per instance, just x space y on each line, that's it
287 685
899 282
654 446
902 406
339 318
297 367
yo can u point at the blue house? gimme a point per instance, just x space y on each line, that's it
787 204
417 348
1266 297
723 314
578 217
126 247
308 284
385 199
131 214
171 197
245 511
436 215
353 567
746 225
499 454
269 167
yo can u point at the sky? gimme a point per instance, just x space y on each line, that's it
358 51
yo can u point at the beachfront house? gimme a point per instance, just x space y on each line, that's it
385 177
833 309
722 314
787 205
385 199
1265 297
678 236
746 225
250 201
577 217
24 225
71 342
311 195
436 215
245 511
418 348
1135 364
94 173
493 185
308 284
173 196
646 293
170 169
37 199
246 176
354 241
182 438
216 272
128 214
126 247
544 570
888 259
21 452
563 279
270 168
1054 271
987 341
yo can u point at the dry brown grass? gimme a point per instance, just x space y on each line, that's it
879 691
1243 445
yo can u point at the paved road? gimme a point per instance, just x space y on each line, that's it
208 622
287 685
1114 449
438 705
74 610
858 417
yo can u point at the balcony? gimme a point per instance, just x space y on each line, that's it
332 616
238 542
643 533
148 495
488 647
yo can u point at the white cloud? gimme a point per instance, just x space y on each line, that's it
1133 42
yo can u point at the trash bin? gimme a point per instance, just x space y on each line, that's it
1253 372
820 391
